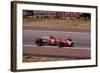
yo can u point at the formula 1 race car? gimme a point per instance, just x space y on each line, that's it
52 41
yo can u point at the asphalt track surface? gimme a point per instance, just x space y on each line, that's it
58 52
81 39
80 50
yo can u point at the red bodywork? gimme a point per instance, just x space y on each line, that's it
56 41
51 41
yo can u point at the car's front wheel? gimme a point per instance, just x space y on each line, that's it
71 45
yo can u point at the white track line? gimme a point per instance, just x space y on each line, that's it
57 31
54 47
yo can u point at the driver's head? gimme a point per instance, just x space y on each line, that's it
51 37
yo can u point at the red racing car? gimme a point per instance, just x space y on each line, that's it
52 41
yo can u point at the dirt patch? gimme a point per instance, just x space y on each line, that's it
33 58
57 24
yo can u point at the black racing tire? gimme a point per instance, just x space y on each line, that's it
39 42
61 45
72 45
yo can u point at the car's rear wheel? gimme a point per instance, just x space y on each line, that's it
39 42
61 45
